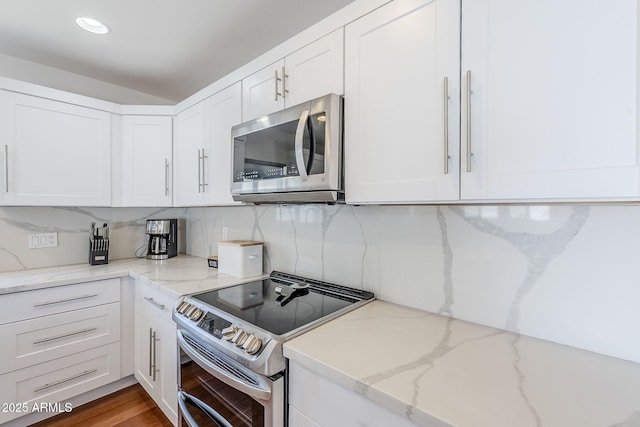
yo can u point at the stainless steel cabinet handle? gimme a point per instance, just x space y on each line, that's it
199 171
285 91
70 334
46 386
6 168
154 339
278 79
42 304
468 124
204 168
150 350
166 177
445 106
160 306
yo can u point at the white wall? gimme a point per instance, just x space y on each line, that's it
568 274
43 75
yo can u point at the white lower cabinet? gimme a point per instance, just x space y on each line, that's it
315 401
58 343
155 349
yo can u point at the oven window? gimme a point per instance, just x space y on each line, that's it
236 407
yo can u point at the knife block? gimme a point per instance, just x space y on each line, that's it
99 251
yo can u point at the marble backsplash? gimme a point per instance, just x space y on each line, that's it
568 274
72 225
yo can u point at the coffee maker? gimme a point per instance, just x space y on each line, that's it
163 238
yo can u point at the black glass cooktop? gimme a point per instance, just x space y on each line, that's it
283 302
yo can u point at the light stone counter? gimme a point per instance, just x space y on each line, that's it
433 369
175 276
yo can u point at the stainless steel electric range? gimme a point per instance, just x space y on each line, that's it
232 369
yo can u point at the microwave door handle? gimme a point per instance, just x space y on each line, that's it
300 163
183 398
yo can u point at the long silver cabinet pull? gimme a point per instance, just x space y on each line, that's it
154 339
285 91
43 304
445 106
278 79
160 306
199 171
70 334
204 168
46 386
166 177
6 168
150 350
468 124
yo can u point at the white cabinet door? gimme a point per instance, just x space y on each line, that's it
315 70
553 104
223 111
187 154
167 361
57 153
399 129
156 348
262 92
146 160
143 351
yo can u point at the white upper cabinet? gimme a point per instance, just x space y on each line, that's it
202 151
223 111
308 73
53 153
187 155
552 108
401 103
541 107
146 160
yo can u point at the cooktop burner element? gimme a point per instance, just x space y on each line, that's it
249 322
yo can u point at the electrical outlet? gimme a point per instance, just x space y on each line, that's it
225 233
43 240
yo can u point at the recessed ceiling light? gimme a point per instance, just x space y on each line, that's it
92 25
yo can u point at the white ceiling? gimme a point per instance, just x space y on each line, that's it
166 48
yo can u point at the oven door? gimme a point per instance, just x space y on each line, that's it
216 391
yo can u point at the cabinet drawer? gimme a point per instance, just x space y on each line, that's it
44 302
63 378
152 301
50 337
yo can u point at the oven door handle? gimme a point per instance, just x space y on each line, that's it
263 392
183 398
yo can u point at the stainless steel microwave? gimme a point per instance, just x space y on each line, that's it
291 156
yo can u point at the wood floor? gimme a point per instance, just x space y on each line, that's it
129 407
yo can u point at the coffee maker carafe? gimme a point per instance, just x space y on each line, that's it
163 238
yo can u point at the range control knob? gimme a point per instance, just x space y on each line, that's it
239 338
196 315
186 306
229 333
252 345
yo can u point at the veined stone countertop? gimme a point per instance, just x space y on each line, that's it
176 276
434 369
